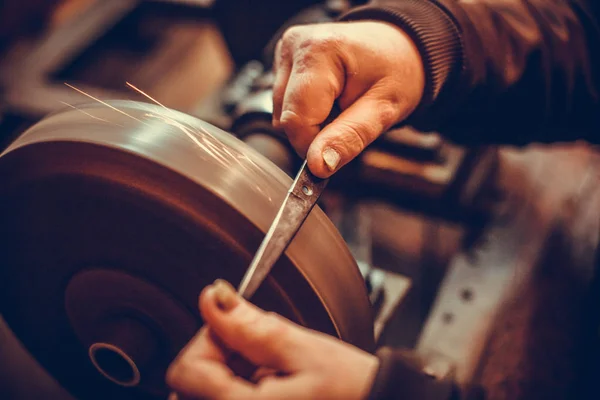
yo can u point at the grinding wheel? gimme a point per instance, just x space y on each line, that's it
112 224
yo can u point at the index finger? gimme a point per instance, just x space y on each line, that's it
310 94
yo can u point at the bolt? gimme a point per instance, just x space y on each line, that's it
447 318
466 295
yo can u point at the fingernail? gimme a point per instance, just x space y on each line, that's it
225 295
331 158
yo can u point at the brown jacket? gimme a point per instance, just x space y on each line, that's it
501 72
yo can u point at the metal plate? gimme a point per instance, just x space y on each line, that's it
114 219
509 312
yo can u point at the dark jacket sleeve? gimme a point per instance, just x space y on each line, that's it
402 377
511 71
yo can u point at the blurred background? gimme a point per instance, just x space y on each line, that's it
212 59
180 51
441 232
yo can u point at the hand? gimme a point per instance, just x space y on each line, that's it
374 71
298 363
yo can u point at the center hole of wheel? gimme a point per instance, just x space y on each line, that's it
114 364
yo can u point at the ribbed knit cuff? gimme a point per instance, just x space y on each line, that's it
434 33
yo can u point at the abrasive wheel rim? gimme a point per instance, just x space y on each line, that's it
135 372
64 128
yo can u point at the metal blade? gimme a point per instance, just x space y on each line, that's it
300 200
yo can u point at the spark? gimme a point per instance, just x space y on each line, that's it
140 91
210 144
188 131
198 134
88 114
104 103
182 128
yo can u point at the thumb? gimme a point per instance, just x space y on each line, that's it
265 339
351 132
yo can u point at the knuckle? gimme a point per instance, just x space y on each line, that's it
304 61
256 328
244 321
290 36
290 121
312 48
286 46
355 134
390 103
389 112
268 328
321 40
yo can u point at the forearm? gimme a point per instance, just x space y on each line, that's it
503 72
